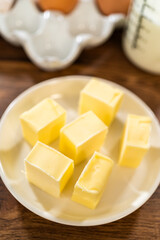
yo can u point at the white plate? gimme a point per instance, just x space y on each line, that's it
126 190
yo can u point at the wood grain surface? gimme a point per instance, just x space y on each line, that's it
108 61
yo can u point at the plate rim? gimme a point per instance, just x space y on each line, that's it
88 222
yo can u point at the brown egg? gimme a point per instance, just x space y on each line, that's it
64 6
113 6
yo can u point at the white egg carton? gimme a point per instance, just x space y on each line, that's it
53 40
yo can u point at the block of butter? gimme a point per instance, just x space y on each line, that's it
80 138
92 181
43 122
48 169
102 99
135 140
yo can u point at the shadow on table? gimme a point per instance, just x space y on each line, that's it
35 227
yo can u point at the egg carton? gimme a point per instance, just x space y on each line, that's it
53 40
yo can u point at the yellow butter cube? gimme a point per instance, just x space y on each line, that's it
102 99
80 138
43 122
48 169
89 188
135 140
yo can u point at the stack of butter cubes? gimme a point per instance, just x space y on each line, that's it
80 140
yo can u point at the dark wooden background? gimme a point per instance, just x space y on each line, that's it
17 73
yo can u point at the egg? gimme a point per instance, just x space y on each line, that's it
112 6
65 6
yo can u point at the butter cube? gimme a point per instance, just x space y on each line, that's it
48 169
135 140
102 99
89 188
43 122
80 138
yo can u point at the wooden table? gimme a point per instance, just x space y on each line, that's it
17 73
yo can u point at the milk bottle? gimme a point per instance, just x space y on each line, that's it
141 40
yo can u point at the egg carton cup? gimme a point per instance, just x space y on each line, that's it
53 40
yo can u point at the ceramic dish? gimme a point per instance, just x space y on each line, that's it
53 40
127 189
